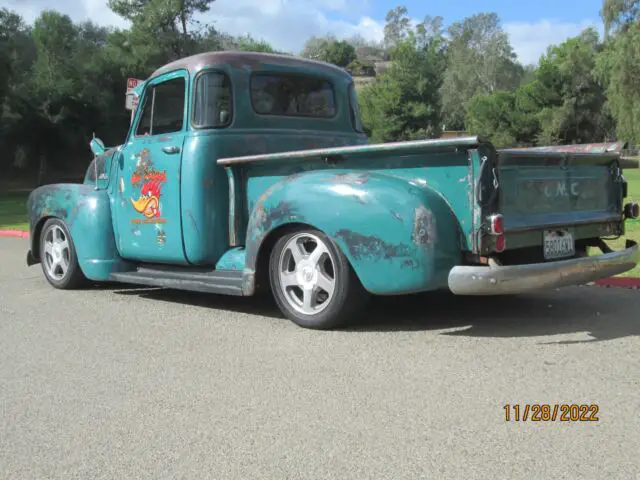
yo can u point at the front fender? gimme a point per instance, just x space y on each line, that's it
399 236
87 214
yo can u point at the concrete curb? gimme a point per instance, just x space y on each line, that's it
14 233
619 282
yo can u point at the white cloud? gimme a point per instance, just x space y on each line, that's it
531 39
287 24
79 10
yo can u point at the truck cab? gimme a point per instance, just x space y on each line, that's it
246 170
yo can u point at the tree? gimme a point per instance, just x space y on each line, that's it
329 49
164 21
397 27
339 53
315 48
480 61
404 102
564 102
619 14
247 43
618 67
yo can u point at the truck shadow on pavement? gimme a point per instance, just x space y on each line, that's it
604 314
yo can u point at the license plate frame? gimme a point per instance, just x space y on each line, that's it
558 244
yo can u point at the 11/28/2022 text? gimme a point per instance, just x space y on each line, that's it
563 412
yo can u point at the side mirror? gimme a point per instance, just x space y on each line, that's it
97 146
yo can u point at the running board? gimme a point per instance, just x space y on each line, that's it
227 282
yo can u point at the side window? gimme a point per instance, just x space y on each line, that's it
163 110
213 105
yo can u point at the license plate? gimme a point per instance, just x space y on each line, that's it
558 244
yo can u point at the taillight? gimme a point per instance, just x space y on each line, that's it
496 224
632 210
496 228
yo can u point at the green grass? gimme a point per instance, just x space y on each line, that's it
13 210
632 227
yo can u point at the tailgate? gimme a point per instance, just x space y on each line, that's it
547 190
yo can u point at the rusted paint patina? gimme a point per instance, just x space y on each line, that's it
253 61
87 215
424 227
371 246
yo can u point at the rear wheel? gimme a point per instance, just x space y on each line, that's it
58 256
312 281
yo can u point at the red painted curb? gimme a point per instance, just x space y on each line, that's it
14 233
622 282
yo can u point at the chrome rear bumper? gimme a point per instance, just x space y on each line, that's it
505 280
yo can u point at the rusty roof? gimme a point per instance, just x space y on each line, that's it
245 59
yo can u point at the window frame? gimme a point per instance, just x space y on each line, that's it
232 100
299 75
150 87
354 110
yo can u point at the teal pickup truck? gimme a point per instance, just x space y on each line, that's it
244 171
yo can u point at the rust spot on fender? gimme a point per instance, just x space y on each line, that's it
371 247
410 263
269 217
424 227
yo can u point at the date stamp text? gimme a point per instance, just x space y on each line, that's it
559 412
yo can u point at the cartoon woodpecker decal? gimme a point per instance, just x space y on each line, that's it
149 202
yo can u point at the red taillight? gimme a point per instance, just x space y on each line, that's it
501 243
496 224
632 210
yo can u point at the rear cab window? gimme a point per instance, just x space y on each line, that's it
292 95
213 101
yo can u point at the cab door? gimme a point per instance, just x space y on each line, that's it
147 205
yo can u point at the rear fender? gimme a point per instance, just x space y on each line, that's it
399 236
87 214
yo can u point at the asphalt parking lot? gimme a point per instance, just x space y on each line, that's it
116 382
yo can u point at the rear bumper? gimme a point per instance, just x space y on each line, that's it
481 280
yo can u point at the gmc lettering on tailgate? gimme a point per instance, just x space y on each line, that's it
560 190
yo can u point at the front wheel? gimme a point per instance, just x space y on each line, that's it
58 256
312 281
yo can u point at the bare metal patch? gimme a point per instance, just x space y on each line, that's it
424 227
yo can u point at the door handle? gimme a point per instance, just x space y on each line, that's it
171 149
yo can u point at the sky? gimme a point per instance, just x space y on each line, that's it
286 24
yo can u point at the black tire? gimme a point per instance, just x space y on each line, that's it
72 277
348 298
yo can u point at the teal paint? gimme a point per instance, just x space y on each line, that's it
233 259
87 214
403 213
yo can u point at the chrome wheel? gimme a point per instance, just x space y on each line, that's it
307 274
57 253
